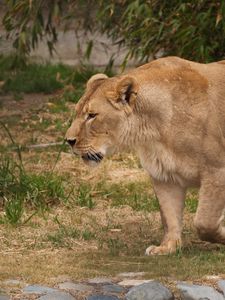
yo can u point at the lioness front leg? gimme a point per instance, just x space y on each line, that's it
171 199
210 212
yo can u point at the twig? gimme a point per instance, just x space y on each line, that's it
37 146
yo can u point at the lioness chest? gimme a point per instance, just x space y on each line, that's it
164 165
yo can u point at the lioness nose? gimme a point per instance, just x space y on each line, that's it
71 142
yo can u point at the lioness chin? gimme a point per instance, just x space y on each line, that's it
172 113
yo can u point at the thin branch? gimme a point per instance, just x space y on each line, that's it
38 146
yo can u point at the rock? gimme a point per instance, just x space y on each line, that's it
133 282
38 289
99 280
57 295
149 291
12 282
198 292
212 277
102 297
221 285
60 278
113 288
4 297
75 287
131 274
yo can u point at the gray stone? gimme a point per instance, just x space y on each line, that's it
60 278
102 297
198 292
57 296
13 282
133 282
75 287
113 288
212 277
149 291
38 289
100 280
4 297
221 285
131 274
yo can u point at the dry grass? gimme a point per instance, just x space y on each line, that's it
79 242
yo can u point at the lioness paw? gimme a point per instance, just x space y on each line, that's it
157 250
164 249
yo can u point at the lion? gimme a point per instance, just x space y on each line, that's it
171 112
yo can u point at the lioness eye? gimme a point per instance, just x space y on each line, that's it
91 116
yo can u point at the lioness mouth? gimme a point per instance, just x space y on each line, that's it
97 157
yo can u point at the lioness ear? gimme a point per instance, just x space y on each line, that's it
127 91
96 80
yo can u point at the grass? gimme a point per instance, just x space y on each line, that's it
192 200
44 78
33 78
94 264
83 244
137 195
65 235
74 219
62 237
20 189
83 196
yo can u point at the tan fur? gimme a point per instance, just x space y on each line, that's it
172 113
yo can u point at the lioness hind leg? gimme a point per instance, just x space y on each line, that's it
209 216
171 200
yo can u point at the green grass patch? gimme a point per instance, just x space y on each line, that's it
191 202
73 95
20 190
33 78
58 105
83 196
62 237
137 195
65 234
87 234
44 78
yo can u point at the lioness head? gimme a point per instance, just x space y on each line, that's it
102 114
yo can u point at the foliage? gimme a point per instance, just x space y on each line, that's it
28 22
191 29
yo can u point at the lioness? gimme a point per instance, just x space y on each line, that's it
172 113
